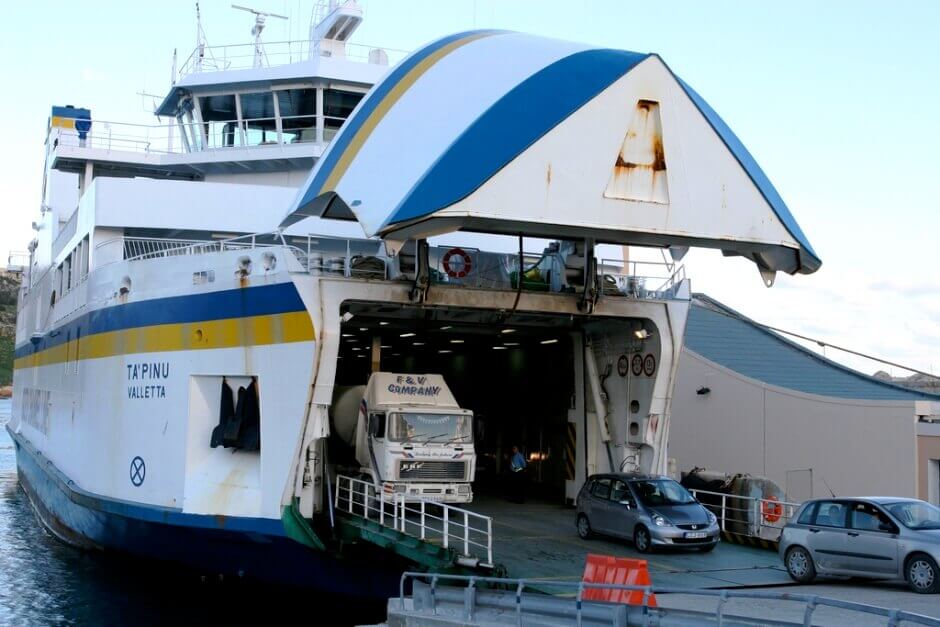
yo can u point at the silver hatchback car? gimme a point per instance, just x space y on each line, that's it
873 537
654 512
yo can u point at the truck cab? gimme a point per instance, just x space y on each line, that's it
414 439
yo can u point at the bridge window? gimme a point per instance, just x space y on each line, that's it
219 120
337 106
298 109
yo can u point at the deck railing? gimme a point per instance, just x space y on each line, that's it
469 533
157 139
243 56
364 259
748 515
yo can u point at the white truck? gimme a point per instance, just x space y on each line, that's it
409 434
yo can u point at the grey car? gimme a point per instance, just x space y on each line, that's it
653 511
873 537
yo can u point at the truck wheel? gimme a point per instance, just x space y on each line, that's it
922 574
584 527
800 565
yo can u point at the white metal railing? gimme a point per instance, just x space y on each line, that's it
17 261
753 516
208 136
471 267
469 533
470 590
242 56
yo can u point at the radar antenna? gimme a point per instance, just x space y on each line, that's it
260 17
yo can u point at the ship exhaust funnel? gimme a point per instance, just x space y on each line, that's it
507 133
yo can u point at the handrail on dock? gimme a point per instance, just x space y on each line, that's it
469 533
812 602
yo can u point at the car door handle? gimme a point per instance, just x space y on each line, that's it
854 534
814 530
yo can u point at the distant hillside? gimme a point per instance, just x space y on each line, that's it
9 284
919 382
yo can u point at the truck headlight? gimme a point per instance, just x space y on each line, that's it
463 489
401 489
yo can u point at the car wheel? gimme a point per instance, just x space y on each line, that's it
642 540
922 574
708 548
584 527
800 565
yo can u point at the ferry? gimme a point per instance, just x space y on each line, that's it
303 215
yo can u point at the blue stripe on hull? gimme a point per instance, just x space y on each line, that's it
235 303
264 556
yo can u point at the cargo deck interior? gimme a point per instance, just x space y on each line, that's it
514 372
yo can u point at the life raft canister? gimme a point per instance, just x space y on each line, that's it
461 268
771 509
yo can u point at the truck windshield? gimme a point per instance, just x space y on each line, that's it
418 428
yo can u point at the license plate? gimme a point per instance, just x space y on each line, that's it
692 535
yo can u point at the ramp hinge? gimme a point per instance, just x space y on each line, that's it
591 288
419 291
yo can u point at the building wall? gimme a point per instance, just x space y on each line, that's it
928 462
745 426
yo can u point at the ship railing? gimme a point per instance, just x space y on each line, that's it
464 595
215 135
341 256
471 267
468 533
750 516
17 261
274 53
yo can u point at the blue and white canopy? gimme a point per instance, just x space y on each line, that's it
503 132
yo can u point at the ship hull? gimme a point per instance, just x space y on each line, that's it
255 549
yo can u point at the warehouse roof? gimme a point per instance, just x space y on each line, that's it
722 335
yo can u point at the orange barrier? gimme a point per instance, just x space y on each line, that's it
620 571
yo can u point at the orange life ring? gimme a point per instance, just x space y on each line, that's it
457 272
771 509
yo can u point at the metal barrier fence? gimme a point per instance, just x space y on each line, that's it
812 602
748 515
469 533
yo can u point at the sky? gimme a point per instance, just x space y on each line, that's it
836 100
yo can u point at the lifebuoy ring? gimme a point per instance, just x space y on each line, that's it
457 270
771 509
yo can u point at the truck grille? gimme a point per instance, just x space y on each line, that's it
409 469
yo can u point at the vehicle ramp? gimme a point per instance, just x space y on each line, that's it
436 536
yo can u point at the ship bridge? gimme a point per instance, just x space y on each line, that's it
237 109
508 133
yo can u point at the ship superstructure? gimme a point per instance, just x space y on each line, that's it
194 298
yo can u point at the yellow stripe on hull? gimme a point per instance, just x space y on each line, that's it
228 333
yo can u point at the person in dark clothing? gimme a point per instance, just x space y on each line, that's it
517 465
